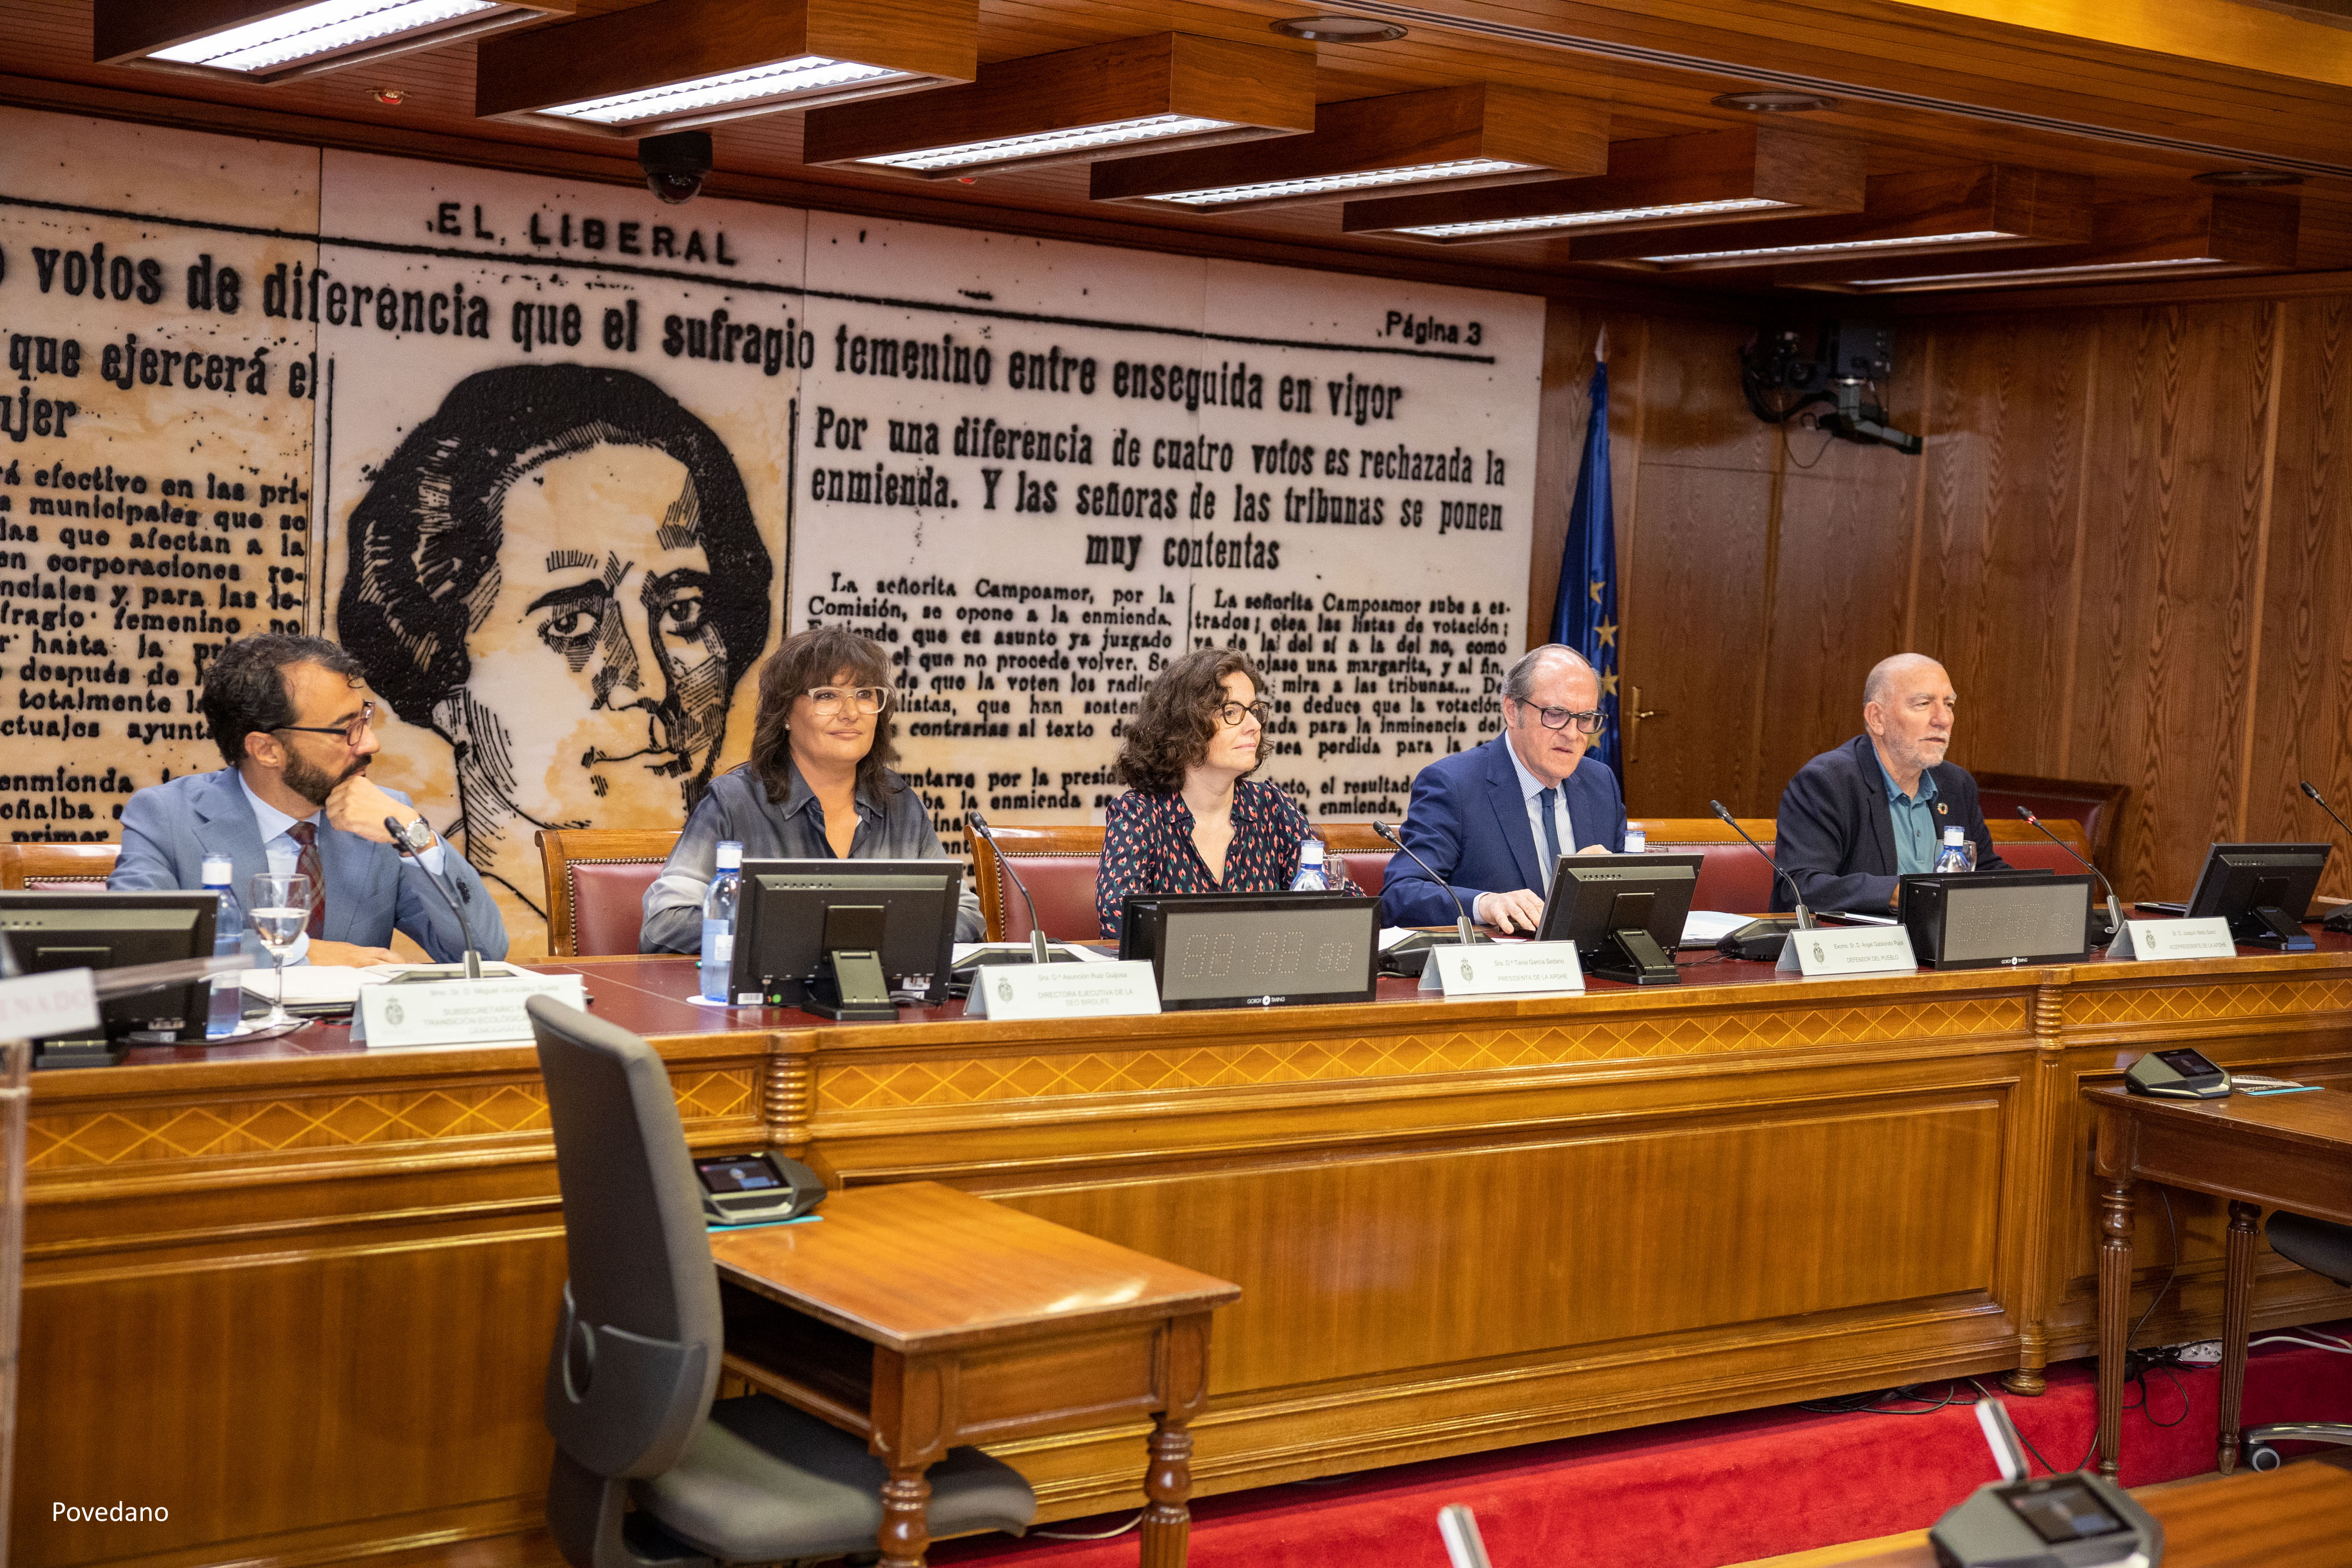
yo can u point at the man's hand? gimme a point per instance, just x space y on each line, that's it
359 806
350 955
1596 850
1507 912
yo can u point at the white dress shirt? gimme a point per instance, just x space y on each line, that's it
284 855
1533 787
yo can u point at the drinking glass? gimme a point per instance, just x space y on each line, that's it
280 907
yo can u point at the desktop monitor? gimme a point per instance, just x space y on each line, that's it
797 916
1624 913
2262 889
101 930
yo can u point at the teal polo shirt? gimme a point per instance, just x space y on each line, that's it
1914 816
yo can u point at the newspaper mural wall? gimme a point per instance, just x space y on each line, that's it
560 462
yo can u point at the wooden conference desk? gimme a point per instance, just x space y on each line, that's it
301 1295
2257 1152
923 1318
2296 1517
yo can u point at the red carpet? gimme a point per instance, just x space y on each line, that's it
1692 1494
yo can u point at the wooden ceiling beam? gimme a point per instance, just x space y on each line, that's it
1798 172
1535 134
1251 92
521 77
1994 207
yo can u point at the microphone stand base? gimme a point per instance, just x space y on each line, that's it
2341 921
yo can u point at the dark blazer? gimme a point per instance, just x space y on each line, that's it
1836 839
371 888
1469 822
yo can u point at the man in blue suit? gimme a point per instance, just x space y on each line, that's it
294 718
1493 819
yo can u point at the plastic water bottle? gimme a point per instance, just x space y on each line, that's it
228 940
1310 877
1958 853
719 923
1637 839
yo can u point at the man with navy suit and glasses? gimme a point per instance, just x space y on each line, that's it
294 719
1493 821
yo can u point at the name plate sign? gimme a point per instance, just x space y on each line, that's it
456 1012
39 1007
1496 969
1851 950
1019 991
2206 938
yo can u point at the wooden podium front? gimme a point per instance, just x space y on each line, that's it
301 1295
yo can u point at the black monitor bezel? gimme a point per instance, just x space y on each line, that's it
1142 915
1573 871
123 1014
2206 902
880 878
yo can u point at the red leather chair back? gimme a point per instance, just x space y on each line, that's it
1063 887
2045 856
1732 878
2097 806
608 904
1366 870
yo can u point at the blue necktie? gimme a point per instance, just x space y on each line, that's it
1551 832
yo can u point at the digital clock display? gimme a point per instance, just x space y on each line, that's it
1267 950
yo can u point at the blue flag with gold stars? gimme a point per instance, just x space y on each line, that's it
1586 616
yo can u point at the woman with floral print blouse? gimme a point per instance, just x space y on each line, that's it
1193 820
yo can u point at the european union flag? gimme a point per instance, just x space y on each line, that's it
1586 616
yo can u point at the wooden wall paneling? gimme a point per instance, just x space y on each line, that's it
1998 551
2169 587
1693 596
1838 584
2303 707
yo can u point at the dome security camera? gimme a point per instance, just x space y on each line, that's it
675 164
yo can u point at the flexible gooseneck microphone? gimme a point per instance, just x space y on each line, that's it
413 839
2341 920
1462 916
1804 915
1038 952
2114 909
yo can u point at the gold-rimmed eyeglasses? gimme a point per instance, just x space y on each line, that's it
828 700
352 733
1561 718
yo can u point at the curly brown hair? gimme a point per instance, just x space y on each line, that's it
1177 715
812 658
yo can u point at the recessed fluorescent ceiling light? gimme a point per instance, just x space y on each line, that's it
1841 244
320 29
785 78
1461 168
1587 220
2028 272
1110 133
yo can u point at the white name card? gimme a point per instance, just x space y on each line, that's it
39 1007
2206 938
1848 950
1119 989
1496 969
456 1012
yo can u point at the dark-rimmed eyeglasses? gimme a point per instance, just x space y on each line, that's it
352 733
1561 718
828 700
1232 714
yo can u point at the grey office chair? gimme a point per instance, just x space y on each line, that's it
636 1357
2324 1249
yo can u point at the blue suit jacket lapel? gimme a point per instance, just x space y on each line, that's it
1875 819
354 875
1511 816
225 826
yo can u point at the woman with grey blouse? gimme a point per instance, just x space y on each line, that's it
818 786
